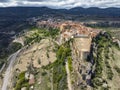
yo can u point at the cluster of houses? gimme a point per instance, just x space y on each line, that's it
75 29
69 29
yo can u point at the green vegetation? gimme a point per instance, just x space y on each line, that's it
47 54
109 71
44 76
70 64
117 69
39 34
44 73
35 37
39 61
103 42
58 67
53 32
22 82
2 61
97 82
14 47
4 53
59 71
115 44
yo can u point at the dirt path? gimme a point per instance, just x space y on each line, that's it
68 77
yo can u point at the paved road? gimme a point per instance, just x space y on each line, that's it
8 72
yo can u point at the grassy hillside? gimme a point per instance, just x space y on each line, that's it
105 57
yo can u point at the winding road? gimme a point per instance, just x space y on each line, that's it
8 73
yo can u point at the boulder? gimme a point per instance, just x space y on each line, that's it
105 85
31 79
23 88
27 75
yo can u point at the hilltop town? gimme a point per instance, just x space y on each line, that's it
62 55
69 29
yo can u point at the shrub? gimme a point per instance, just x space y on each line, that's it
97 82
21 81
14 47
39 61
117 69
70 64
109 74
44 73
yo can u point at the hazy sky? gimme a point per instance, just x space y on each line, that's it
61 3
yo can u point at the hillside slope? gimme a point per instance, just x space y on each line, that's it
69 57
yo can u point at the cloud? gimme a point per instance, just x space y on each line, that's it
4 0
61 3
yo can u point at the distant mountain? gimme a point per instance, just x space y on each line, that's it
95 11
25 12
14 18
